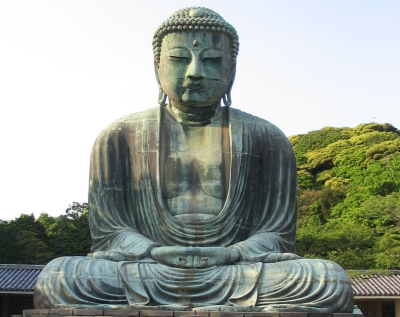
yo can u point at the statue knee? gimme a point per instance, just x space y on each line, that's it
333 269
311 268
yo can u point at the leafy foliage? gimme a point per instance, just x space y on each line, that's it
349 195
36 241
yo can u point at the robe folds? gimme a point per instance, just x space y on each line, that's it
127 214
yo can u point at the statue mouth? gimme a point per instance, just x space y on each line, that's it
194 88
192 85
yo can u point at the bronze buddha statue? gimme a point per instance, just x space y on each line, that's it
193 204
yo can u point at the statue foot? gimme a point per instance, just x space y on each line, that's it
94 306
171 307
294 308
224 308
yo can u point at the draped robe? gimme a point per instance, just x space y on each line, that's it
127 213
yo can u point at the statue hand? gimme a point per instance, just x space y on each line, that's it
113 255
194 257
279 257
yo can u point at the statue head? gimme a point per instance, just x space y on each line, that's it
195 53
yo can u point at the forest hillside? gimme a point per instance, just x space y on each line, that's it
348 205
349 195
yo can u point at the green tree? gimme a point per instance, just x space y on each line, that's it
36 241
69 234
24 240
349 195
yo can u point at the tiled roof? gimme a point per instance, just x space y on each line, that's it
18 277
387 284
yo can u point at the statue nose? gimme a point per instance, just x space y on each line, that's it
195 69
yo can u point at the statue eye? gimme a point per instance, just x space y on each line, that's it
179 58
213 55
212 59
179 55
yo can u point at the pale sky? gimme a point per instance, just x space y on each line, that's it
69 68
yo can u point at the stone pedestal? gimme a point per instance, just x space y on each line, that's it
166 313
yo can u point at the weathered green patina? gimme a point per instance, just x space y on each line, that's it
192 204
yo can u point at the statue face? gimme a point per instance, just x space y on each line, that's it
195 67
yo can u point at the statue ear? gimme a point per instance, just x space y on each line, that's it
227 99
162 97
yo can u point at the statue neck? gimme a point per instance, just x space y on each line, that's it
194 116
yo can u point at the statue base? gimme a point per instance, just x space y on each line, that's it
128 312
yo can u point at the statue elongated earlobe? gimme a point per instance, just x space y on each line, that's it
162 97
227 99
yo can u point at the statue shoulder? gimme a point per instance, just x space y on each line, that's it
257 125
132 120
130 123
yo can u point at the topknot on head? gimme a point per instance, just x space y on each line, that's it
195 19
